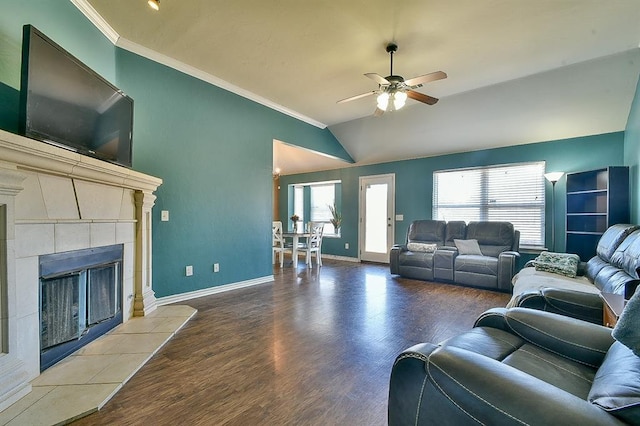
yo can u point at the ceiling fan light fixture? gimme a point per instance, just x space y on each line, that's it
399 99
154 4
383 101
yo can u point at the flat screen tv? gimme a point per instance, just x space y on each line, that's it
65 103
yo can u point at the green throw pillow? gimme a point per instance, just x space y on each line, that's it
558 263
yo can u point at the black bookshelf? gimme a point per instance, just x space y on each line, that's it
596 199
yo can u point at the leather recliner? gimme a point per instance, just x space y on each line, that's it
518 366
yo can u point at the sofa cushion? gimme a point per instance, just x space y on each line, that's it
429 231
477 264
558 263
594 266
528 280
627 255
417 259
616 386
456 229
612 280
493 237
468 247
422 247
611 239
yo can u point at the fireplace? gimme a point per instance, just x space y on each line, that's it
54 201
80 299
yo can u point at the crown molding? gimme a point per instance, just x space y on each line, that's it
138 49
97 20
123 43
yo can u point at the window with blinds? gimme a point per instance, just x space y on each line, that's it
512 193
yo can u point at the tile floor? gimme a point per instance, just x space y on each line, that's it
85 381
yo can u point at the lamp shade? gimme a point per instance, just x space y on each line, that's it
383 101
553 177
154 4
399 99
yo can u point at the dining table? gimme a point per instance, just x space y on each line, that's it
295 237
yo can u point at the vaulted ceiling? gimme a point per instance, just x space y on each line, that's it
518 71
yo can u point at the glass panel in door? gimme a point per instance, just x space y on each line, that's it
376 224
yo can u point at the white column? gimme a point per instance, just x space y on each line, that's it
145 299
14 376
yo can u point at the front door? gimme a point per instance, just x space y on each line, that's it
377 200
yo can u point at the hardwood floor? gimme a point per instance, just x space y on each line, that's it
315 347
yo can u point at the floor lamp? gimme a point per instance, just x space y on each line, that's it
553 177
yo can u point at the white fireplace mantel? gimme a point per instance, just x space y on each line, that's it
54 200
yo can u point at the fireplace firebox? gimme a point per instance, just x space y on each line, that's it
80 299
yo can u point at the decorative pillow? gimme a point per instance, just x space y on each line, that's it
423 247
626 330
468 247
558 263
616 386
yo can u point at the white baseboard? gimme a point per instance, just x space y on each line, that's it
343 258
212 290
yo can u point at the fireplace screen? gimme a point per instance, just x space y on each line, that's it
80 299
72 303
59 311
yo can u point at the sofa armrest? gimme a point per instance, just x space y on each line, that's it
578 340
394 254
407 378
575 304
507 261
485 391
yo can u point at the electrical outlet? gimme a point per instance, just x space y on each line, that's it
216 267
164 216
188 271
346 246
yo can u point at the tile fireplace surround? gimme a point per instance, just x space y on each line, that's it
51 201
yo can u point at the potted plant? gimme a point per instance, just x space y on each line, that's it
295 218
336 219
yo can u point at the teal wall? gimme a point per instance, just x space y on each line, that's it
213 149
632 153
414 181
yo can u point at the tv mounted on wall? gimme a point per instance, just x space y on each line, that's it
65 103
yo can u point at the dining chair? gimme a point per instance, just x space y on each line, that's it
278 242
314 243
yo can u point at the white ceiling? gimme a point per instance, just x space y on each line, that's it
518 71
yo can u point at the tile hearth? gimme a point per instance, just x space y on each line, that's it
85 381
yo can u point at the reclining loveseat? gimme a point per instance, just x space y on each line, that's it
479 254
522 366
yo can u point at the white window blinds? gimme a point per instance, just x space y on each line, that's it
512 193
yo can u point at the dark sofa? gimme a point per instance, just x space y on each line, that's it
614 269
519 366
493 268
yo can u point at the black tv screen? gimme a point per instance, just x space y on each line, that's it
65 103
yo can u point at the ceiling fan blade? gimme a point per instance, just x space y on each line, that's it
353 98
421 97
415 81
378 78
378 112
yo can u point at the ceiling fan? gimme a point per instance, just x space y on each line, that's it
393 90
